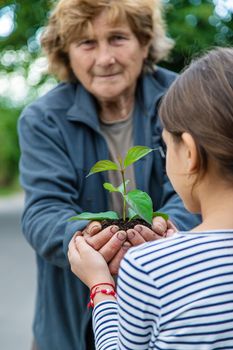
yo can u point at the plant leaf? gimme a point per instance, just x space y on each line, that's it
108 186
157 213
103 165
95 216
131 214
135 153
141 204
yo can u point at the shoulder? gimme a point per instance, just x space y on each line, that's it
61 97
164 77
162 251
152 86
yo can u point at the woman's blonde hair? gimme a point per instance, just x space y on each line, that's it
71 18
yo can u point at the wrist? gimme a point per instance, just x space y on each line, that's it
99 297
101 292
103 285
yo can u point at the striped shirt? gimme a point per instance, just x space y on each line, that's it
173 294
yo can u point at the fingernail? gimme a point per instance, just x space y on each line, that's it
158 228
126 245
121 235
130 234
138 228
94 228
114 229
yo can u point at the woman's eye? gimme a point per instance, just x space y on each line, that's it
86 43
117 38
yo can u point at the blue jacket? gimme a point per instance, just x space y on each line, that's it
60 140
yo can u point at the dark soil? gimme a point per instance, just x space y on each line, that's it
124 225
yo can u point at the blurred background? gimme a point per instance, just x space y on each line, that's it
195 25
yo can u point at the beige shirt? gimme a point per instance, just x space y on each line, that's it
119 137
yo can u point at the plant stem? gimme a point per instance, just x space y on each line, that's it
124 201
122 170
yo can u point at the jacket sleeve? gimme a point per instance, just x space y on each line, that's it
50 183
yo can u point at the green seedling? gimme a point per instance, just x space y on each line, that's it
139 202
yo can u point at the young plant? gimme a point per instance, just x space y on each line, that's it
139 202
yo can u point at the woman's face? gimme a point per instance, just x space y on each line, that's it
108 60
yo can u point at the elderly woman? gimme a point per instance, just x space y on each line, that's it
105 53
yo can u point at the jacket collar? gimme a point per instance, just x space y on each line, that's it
84 108
149 92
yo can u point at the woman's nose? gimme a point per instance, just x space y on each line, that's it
105 56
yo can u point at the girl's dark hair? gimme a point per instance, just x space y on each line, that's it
200 102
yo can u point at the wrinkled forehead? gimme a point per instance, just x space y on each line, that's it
82 26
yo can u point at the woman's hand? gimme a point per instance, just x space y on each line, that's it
108 242
87 264
160 229
139 235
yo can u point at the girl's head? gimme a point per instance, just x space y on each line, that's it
72 19
197 115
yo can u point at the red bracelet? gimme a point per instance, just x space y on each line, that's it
102 284
103 291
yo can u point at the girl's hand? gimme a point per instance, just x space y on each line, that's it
87 264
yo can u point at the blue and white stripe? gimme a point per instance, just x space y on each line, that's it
174 294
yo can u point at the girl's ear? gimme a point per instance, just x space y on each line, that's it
190 152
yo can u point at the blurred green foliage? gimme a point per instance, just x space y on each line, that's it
9 150
29 17
195 25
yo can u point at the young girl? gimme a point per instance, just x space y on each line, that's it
177 293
